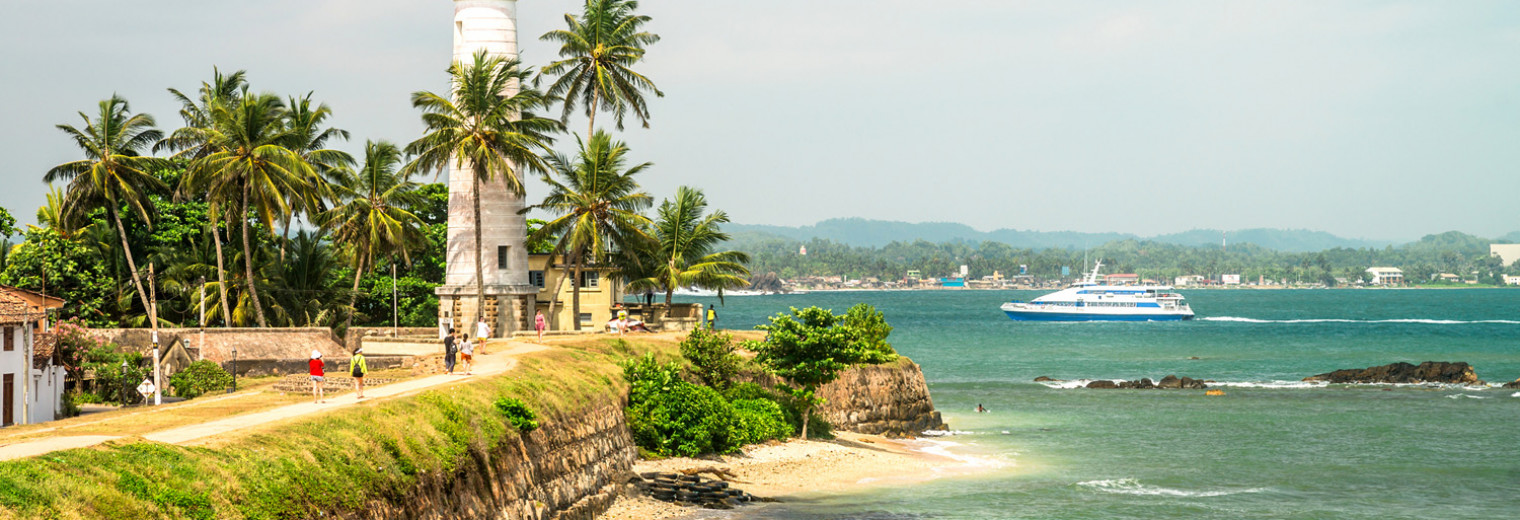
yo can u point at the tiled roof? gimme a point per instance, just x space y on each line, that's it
13 309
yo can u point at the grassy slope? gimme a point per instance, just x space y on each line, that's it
336 461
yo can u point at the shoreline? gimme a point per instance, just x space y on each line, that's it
798 468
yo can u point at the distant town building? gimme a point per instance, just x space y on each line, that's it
1229 279
1122 279
1511 280
1186 280
1508 253
802 251
1446 277
914 274
1386 275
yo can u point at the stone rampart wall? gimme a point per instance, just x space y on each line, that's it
889 399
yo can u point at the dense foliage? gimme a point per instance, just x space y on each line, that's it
712 357
517 413
1451 252
200 378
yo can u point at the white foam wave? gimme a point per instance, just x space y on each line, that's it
1342 320
1129 486
1459 396
1516 394
1289 385
943 433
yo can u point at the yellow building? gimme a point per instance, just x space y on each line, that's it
599 294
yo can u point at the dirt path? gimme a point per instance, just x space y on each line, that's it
503 357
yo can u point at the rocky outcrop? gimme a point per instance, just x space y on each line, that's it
570 468
1170 382
1513 384
1427 372
890 399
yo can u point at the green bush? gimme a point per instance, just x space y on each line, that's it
200 378
517 413
869 328
760 420
87 398
669 416
712 357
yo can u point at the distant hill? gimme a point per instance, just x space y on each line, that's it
877 233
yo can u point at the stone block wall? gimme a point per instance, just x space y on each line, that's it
890 399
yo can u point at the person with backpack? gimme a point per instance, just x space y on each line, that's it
357 369
448 351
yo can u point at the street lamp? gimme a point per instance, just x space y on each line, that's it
234 369
126 385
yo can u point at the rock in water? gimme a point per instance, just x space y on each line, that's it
1427 372
1042 379
1104 383
1513 384
1168 382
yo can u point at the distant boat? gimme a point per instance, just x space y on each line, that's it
1089 300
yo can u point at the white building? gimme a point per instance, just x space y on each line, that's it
1229 279
1183 281
1507 253
1511 280
31 386
1386 275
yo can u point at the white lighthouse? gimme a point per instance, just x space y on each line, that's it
489 25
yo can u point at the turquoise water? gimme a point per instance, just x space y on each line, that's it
1270 448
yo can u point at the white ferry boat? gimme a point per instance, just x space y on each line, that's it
1089 300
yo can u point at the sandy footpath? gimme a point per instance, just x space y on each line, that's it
777 470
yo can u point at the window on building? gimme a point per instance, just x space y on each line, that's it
591 279
501 256
585 318
10 339
536 278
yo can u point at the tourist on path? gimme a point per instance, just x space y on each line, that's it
448 351
467 354
482 333
712 319
317 378
538 324
358 369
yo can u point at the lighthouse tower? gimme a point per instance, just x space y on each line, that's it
489 25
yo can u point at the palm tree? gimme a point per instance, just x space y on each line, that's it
686 239
114 172
485 128
309 140
250 166
597 204
598 50
193 142
371 219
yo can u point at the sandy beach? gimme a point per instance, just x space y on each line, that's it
781 470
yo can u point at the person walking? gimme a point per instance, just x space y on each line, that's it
539 324
357 369
482 333
448 350
712 318
467 355
317 376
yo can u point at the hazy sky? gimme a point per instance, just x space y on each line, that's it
1381 120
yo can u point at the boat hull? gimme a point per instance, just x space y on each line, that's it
1021 315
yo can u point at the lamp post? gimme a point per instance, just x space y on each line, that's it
234 369
126 384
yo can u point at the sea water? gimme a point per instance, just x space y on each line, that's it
1271 447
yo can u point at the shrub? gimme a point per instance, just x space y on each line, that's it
760 420
87 398
712 357
869 327
669 416
517 413
200 378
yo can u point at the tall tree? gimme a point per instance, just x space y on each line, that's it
370 219
685 236
249 166
485 127
597 205
193 141
598 50
309 139
113 173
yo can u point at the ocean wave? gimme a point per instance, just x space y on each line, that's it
1459 396
1425 321
1130 486
1288 385
946 449
1516 394
944 433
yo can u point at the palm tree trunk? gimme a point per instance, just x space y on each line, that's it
284 239
807 411
353 297
559 285
253 292
221 274
480 273
575 296
132 264
670 285
591 110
